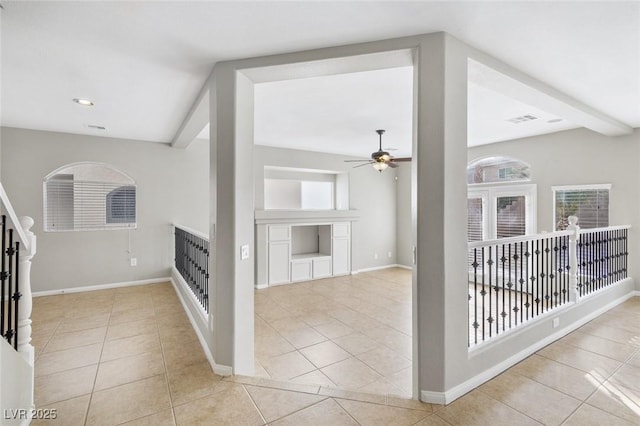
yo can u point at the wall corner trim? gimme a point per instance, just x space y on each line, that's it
433 397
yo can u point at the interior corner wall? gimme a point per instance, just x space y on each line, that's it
173 187
371 193
580 157
403 215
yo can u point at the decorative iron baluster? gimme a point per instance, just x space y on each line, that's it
8 334
3 275
16 295
191 260
503 314
521 281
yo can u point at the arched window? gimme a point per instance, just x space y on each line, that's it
506 205
89 196
497 169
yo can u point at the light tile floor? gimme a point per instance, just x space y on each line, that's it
351 332
129 356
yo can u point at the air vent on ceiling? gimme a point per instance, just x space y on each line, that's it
93 126
554 120
522 119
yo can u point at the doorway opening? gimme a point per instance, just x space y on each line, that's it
333 299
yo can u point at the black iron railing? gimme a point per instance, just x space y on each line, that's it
602 258
514 280
192 261
10 291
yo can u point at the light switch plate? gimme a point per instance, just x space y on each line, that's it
244 252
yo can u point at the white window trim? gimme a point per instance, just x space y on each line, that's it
489 194
595 186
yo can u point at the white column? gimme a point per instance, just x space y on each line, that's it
573 258
25 303
439 169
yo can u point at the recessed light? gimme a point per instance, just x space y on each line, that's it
83 102
96 127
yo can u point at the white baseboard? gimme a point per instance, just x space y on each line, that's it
261 286
100 287
378 268
457 391
409 268
221 370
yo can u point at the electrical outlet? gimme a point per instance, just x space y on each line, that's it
244 252
375 255
556 322
389 255
134 261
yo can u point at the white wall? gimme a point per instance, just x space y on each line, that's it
403 215
578 157
172 187
371 193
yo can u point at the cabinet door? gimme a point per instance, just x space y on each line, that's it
301 270
279 262
322 267
341 256
279 232
341 230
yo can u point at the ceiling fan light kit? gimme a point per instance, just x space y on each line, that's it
381 160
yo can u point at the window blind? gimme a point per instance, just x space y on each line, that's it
591 206
72 205
474 219
510 216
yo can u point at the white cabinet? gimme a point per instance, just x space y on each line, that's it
322 267
301 269
341 248
305 251
279 255
341 255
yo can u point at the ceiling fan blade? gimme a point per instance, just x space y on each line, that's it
401 159
365 164
355 161
392 164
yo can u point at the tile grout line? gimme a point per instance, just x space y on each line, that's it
345 410
164 364
244 388
95 379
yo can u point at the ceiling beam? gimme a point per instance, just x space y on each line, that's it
502 78
196 120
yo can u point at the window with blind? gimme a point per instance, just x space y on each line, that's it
89 196
500 211
589 203
511 216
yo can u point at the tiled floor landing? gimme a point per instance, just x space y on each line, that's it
129 356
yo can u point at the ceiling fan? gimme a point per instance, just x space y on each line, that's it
380 159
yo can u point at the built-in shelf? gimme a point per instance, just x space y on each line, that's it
301 251
309 256
304 216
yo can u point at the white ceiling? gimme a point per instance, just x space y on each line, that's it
144 63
